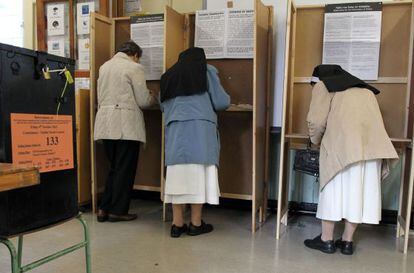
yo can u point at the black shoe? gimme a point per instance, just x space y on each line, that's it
102 216
177 231
317 243
198 230
346 247
122 218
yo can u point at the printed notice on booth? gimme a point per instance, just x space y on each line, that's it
352 38
227 33
148 32
44 141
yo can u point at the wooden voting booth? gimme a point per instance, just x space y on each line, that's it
107 34
83 145
244 127
304 52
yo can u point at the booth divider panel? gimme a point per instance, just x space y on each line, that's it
283 187
309 40
122 31
290 69
396 24
392 101
83 145
174 36
300 97
191 29
260 88
236 76
100 52
148 171
235 170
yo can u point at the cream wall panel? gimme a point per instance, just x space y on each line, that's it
187 5
154 6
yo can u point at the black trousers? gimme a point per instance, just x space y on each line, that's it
123 156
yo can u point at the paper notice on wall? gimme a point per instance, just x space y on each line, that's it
82 83
132 6
83 17
55 19
352 38
56 47
44 141
210 33
148 32
83 54
227 33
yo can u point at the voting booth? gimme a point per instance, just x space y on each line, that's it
244 127
244 132
107 34
304 47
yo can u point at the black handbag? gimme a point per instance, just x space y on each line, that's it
307 161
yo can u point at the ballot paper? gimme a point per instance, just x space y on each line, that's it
148 32
55 19
83 17
227 33
352 37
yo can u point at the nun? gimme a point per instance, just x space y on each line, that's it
345 119
191 94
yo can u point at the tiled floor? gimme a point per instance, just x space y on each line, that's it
144 246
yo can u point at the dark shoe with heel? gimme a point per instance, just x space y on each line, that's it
324 246
102 216
198 230
122 218
347 248
178 231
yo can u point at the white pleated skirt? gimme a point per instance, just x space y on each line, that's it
354 194
192 184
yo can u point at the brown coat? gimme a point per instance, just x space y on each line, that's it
349 127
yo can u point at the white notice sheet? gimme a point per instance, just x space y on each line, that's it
83 17
132 6
352 38
55 19
148 32
56 47
83 54
227 33
210 33
240 34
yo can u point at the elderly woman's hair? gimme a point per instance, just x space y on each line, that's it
130 48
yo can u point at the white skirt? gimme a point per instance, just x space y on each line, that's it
354 194
192 184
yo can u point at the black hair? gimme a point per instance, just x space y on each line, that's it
130 48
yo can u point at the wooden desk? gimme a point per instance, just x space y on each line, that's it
15 177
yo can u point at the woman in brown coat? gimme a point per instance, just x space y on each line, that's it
345 119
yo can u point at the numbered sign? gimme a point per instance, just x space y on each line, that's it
44 141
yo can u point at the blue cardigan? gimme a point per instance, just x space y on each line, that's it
191 134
